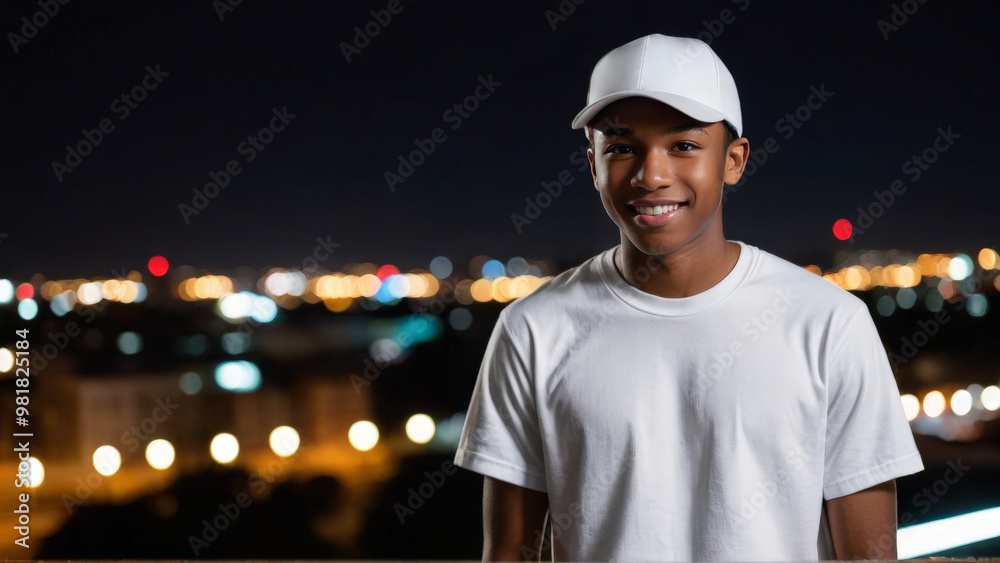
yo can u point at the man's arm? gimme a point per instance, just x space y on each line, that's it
513 521
863 524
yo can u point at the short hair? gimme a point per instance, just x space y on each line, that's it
728 136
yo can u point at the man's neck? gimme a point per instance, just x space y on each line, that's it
686 272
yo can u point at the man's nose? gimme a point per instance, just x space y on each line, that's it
655 171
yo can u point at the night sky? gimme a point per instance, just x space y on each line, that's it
220 80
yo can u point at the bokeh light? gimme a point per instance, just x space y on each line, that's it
991 398
36 472
934 404
460 318
224 447
959 267
977 305
885 305
158 266
236 306
363 435
238 376
493 269
961 402
988 259
906 297
107 460
25 291
911 406
6 360
190 383
284 441
27 309
130 343
842 229
441 267
420 428
160 454
6 291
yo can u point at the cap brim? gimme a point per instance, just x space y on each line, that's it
687 106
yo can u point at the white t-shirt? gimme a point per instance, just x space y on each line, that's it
703 428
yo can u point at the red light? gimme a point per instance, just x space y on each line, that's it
386 271
158 266
25 291
842 229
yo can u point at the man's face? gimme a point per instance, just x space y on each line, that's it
661 173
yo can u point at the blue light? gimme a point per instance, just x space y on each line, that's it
264 309
441 267
27 309
977 305
239 376
493 269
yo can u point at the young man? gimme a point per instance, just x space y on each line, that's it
682 397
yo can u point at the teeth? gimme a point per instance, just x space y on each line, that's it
658 210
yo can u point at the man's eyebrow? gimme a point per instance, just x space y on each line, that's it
682 128
617 132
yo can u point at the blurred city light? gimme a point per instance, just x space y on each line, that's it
238 376
235 343
460 318
977 305
961 402
959 267
842 229
386 271
107 460
284 441
236 306
6 291
224 447
441 267
160 454
385 351
493 269
911 406
263 309
517 266
25 291
991 398
948 533
36 472
363 435
906 297
885 305
129 343
63 303
190 383
988 259
89 293
6 360
27 309
158 266
934 404
420 428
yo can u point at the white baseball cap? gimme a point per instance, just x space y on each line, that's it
682 72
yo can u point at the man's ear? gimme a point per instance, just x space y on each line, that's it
593 166
736 160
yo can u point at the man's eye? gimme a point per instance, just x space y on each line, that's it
618 149
685 147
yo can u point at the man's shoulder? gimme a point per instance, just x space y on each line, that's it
568 290
813 292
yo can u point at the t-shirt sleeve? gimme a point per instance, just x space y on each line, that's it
868 439
501 437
